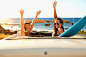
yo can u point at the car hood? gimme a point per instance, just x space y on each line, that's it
39 46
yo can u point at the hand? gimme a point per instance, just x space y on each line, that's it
38 12
54 3
21 12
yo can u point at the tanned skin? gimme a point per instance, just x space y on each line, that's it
22 23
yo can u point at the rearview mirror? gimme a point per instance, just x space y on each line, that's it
47 24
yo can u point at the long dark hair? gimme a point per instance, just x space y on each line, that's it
61 21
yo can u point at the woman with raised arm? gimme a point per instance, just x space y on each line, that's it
26 26
58 24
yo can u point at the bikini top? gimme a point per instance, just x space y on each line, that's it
26 33
57 30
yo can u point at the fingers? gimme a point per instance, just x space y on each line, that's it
21 10
54 3
38 12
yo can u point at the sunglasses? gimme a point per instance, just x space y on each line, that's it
27 23
57 23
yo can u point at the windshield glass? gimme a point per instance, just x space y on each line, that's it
14 25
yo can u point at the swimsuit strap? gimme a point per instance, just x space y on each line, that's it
26 32
62 28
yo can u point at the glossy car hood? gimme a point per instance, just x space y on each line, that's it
39 46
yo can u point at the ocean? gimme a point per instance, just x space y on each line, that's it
14 24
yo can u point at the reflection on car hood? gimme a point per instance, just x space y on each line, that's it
38 46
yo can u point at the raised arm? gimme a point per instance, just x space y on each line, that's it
38 12
54 6
22 23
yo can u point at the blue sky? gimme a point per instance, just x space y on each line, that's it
65 8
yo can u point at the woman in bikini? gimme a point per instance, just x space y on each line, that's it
26 26
58 24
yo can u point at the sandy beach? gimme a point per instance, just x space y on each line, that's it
2 36
78 36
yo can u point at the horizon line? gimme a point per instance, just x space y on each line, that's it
44 17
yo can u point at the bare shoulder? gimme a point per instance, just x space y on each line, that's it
60 29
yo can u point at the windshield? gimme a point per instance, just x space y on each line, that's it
45 31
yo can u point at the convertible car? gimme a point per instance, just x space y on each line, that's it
42 44
46 46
